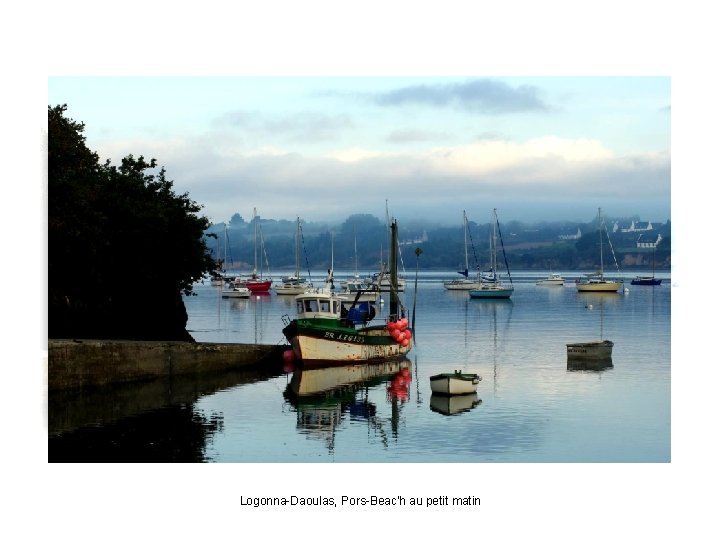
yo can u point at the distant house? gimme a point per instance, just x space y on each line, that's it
575 236
641 243
634 227
418 240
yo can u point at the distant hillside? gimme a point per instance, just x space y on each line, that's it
541 246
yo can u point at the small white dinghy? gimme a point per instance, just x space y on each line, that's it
453 384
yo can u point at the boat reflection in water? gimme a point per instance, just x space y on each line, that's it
449 405
589 364
324 397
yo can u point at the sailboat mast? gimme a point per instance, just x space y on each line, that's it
356 257
225 251
465 228
255 224
493 245
602 271
297 249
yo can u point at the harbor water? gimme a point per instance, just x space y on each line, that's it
533 405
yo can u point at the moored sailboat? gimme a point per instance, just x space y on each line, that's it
648 280
464 283
596 281
493 286
294 284
256 282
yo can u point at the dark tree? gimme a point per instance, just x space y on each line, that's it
122 246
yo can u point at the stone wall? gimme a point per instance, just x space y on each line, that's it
88 363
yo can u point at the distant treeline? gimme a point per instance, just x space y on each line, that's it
527 247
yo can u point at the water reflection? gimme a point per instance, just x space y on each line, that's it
450 405
589 364
173 434
153 421
499 334
324 397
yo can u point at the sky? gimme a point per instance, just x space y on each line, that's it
323 147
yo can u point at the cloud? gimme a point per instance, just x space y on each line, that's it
414 135
301 126
541 178
478 95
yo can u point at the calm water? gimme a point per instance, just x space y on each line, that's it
531 405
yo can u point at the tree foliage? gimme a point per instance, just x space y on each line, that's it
122 246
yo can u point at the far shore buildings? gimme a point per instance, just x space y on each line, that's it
647 243
634 227
575 236
643 241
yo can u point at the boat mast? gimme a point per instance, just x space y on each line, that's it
493 246
465 228
255 223
602 272
225 250
393 270
297 250
356 257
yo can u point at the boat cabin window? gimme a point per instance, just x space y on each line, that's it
299 306
311 305
336 306
325 306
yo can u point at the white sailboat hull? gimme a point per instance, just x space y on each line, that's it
461 285
491 291
599 286
291 289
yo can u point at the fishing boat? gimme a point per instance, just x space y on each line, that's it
294 284
464 283
493 287
552 279
596 281
648 280
456 383
325 332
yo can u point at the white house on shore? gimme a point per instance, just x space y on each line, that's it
575 236
633 228
648 243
